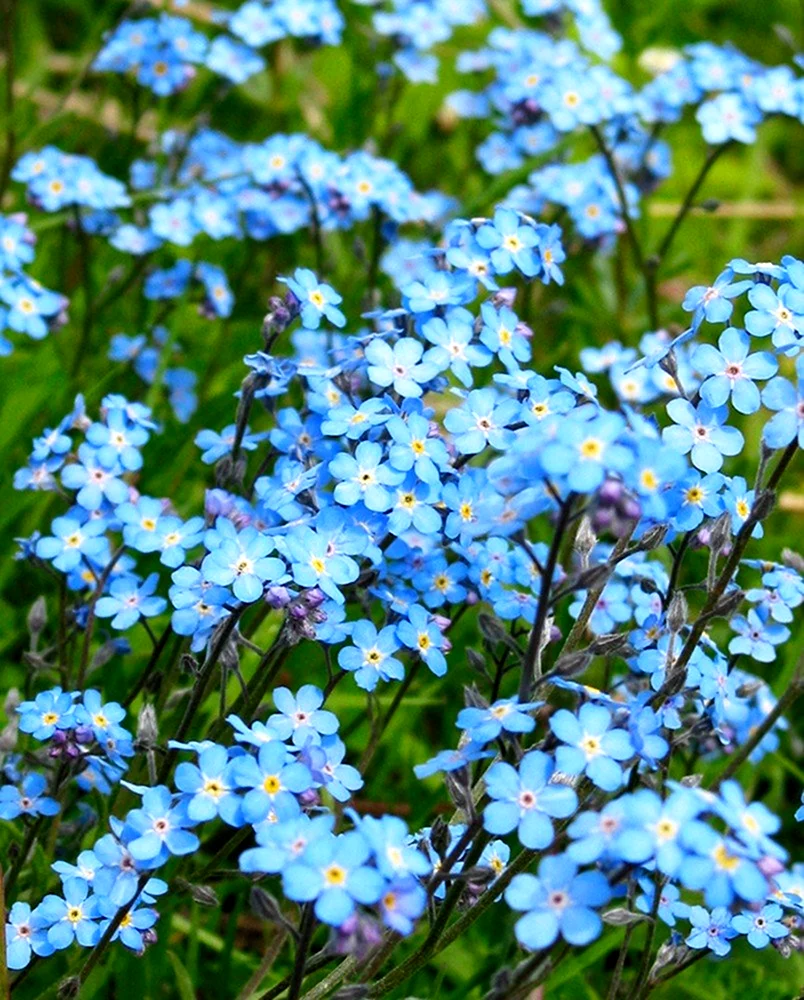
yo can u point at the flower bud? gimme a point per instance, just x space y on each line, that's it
677 613
653 537
37 619
620 917
728 603
147 726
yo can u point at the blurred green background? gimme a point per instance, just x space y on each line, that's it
334 95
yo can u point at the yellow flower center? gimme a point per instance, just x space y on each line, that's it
335 875
591 448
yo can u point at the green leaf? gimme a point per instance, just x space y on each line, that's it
184 984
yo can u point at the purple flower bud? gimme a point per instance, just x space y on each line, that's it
218 503
770 866
310 798
314 597
610 492
277 597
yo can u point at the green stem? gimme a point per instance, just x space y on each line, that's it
529 665
687 204
302 947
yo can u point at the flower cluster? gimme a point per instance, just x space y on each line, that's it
163 52
545 89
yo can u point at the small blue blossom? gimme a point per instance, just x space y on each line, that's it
558 901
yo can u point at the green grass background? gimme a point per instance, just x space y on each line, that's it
334 95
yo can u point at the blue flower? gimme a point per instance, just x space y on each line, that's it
711 930
788 402
702 433
557 902
27 800
208 787
695 497
756 637
506 714
714 302
333 872
132 928
511 243
586 450
395 855
481 420
654 828
452 760
731 371
364 477
525 800
416 448
720 866
592 746
728 116
215 445
316 300
118 441
762 927
315 564
595 834
420 633
738 500
72 539
273 778
284 842
780 313
241 560
454 335
73 918
301 717
414 507
370 655
325 761
503 335
159 828
94 480
405 366
670 905
26 934
129 600
49 711
403 902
